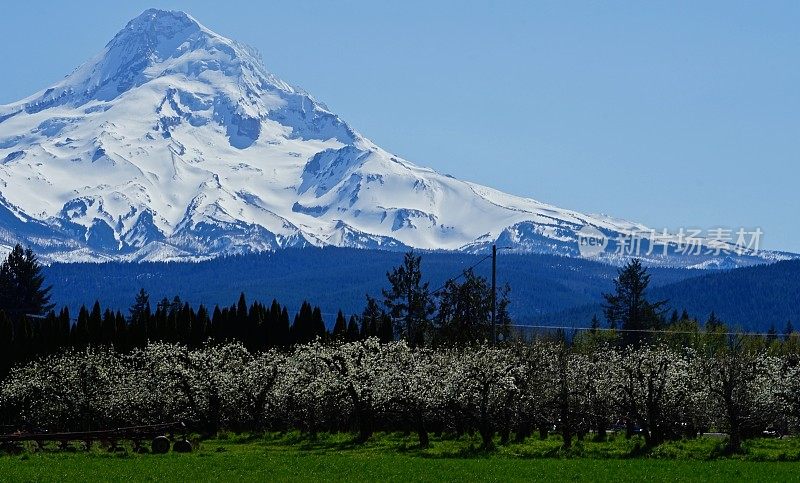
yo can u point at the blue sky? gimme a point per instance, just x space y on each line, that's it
674 114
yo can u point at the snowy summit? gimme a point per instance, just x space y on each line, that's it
176 143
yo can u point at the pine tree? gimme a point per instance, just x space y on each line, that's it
302 330
788 330
240 317
352 329
216 325
595 324
121 333
628 305
465 310
21 285
95 324
318 325
201 327
772 334
141 305
371 318
408 301
108 328
384 330
6 344
340 327
80 331
284 337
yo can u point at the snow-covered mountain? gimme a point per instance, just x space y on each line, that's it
176 143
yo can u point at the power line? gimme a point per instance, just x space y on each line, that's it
647 331
463 272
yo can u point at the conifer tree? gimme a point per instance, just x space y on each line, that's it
595 325
371 318
108 328
95 324
121 337
6 344
284 338
788 330
465 310
80 331
318 325
352 329
340 327
628 306
408 301
141 305
22 290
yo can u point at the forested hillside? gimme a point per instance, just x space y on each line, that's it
335 278
754 299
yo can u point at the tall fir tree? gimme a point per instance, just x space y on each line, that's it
22 290
628 306
409 301
340 327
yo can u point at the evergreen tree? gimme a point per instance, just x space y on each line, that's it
80 331
302 330
121 336
370 318
503 315
95 324
141 305
318 325
595 325
284 338
340 327
772 334
6 344
21 285
465 310
788 330
408 301
201 327
352 334
108 328
216 324
628 306
713 322
384 329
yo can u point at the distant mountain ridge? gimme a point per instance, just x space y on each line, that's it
176 143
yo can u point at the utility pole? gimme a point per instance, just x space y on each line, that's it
494 293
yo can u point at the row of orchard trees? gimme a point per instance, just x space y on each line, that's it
512 390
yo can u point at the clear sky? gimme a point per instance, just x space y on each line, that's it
673 114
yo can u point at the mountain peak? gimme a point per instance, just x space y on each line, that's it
158 30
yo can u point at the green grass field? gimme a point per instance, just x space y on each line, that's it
394 457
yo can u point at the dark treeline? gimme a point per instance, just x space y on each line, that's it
30 328
257 326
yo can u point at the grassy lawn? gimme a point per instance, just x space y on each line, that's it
393 457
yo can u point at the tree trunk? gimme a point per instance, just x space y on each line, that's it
544 431
522 431
422 432
601 426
